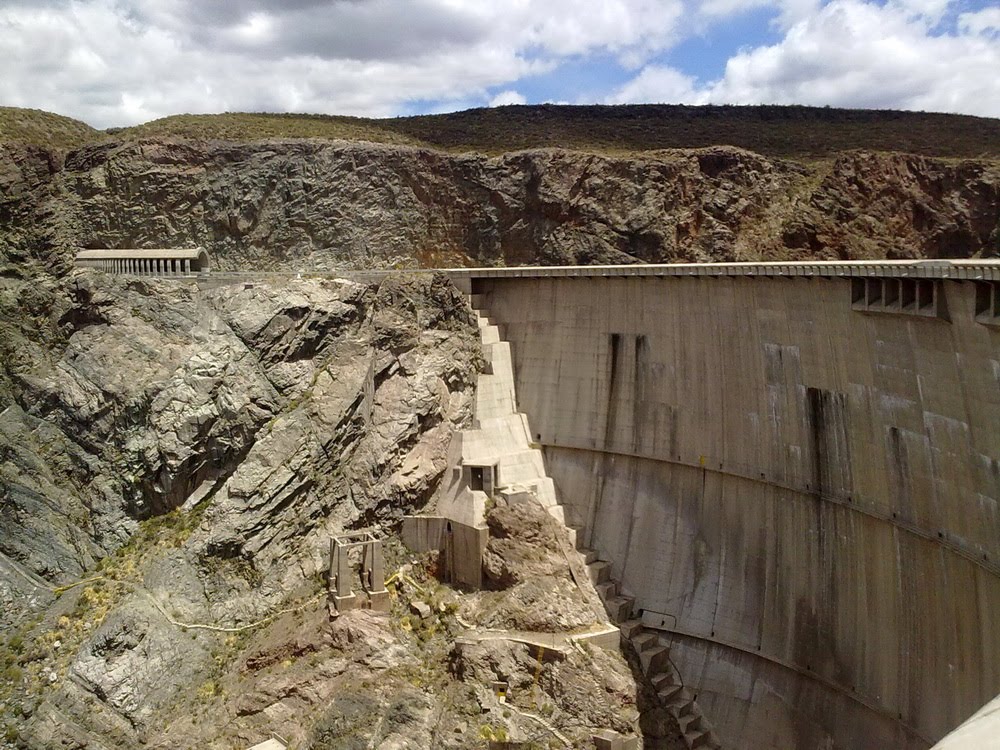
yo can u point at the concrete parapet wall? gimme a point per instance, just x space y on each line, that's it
808 488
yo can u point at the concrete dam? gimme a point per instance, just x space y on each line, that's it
794 469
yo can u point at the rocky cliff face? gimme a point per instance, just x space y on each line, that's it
322 204
173 464
155 395
265 418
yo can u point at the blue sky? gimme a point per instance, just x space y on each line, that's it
702 54
118 62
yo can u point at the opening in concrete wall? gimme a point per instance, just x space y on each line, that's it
201 262
909 293
923 297
890 293
481 477
984 298
925 294
988 303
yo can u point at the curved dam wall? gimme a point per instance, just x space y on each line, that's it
797 478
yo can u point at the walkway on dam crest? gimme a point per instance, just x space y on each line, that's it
972 269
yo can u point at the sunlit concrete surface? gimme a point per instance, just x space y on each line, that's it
980 732
138 262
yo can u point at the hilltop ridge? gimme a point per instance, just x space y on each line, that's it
47 129
776 131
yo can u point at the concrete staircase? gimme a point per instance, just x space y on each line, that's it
653 653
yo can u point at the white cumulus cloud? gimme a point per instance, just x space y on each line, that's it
507 97
852 53
658 84
118 62
986 21
115 62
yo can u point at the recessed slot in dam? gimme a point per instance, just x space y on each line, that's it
857 292
873 295
909 294
988 302
984 298
891 292
925 294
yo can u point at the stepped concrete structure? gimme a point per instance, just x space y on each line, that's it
494 457
177 262
786 478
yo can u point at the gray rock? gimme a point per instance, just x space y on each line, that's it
323 205
290 412
421 609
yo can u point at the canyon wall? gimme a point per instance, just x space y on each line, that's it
312 204
801 487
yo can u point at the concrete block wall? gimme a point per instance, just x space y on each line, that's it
805 491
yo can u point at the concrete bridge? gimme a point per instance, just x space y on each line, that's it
794 469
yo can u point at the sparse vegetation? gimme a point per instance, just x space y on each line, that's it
243 126
170 529
39 650
209 689
44 129
492 732
783 131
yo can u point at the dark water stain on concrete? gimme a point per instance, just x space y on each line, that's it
827 423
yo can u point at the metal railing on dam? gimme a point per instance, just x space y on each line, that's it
803 472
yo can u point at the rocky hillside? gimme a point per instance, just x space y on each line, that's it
152 394
320 205
35 127
188 456
173 464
